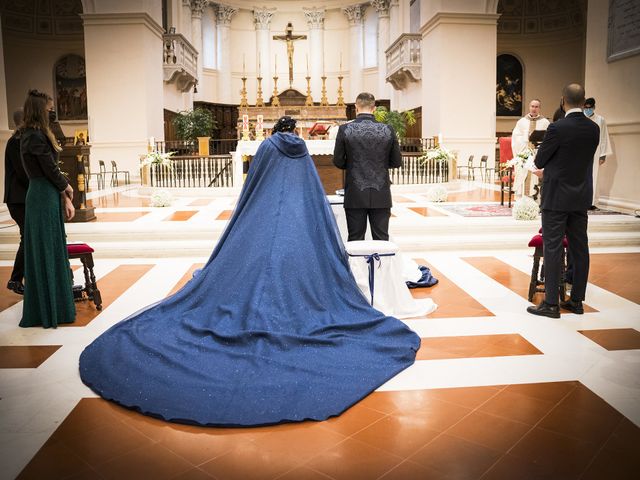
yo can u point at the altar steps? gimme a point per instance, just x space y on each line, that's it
176 239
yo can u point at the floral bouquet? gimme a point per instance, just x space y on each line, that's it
161 198
524 159
439 153
157 158
437 193
525 208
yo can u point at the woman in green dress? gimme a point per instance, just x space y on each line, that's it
48 296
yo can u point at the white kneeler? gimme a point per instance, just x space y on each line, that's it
376 260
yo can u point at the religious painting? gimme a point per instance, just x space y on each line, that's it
71 88
508 86
80 137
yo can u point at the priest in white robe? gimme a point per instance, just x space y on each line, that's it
520 140
604 147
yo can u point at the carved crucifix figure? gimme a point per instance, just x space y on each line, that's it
289 37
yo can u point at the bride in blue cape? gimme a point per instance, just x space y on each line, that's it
273 328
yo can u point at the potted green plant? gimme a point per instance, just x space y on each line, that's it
398 120
195 125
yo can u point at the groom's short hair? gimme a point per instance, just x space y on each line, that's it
365 100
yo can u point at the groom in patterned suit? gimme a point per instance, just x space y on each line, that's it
367 149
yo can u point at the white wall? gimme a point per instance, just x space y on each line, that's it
549 63
615 87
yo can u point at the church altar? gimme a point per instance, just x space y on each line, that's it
321 151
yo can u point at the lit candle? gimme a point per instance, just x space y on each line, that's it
243 64
340 61
275 65
259 65
307 64
323 65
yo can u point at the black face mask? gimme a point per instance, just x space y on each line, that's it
52 116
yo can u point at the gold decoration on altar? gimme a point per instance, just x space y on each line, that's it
340 102
324 101
243 93
259 99
289 38
309 102
275 100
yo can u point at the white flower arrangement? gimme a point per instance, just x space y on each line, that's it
525 209
524 159
439 153
437 193
157 158
161 198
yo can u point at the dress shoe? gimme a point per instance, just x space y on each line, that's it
545 310
574 306
16 287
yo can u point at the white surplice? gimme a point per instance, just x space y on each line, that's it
519 141
603 150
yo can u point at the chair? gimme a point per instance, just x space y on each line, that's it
506 180
469 167
103 172
84 252
536 283
482 168
99 176
115 172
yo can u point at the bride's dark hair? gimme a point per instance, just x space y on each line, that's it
285 124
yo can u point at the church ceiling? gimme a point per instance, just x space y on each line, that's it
42 17
541 16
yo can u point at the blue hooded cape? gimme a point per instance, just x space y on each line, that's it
273 329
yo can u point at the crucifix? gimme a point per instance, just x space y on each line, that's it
289 37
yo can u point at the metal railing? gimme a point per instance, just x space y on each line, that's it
415 171
193 172
217 146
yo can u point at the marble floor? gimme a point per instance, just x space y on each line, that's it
495 393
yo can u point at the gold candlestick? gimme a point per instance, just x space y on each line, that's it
324 101
243 93
259 99
340 102
309 102
275 101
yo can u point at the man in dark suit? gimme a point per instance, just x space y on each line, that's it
564 158
16 184
367 149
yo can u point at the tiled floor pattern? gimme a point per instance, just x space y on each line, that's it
548 430
510 277
29 356
415 426
443 292
611 273
614 338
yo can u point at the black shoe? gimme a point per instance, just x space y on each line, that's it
16 287
593 207
574 306
545 310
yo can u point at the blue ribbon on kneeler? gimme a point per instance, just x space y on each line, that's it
370 261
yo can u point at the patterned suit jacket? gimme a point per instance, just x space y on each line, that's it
367 149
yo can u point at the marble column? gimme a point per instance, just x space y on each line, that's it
382 7
449 102
395 21
209 40
355 14
130 44
185 20
197 9
262 22
224 15
315 22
